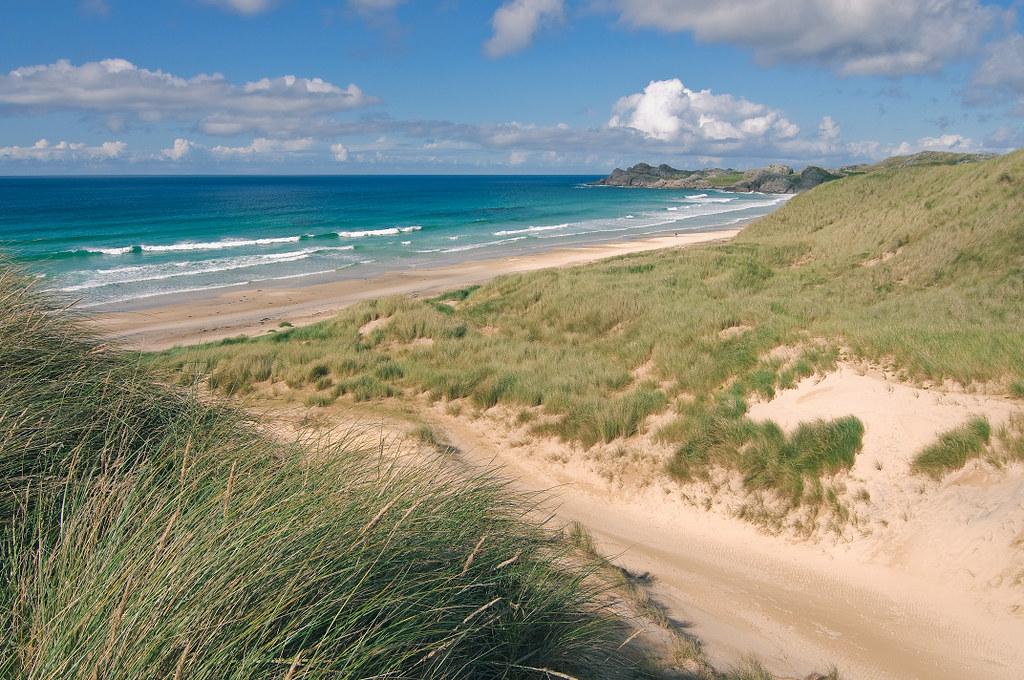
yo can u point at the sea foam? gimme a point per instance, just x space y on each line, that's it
390 231
171 270
192 245
531 230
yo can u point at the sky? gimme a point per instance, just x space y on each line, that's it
500 86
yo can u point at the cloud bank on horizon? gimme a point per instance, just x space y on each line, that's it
966 56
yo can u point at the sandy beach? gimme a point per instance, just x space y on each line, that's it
252 310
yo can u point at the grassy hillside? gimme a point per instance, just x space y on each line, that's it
919 267
920 158
146 535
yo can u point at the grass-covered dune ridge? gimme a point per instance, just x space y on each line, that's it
148 535
926 266
920 268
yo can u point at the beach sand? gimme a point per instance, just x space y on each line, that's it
252 310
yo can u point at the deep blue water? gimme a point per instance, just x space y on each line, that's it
111 241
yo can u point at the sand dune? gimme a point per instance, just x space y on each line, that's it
925 582
931 596
967 529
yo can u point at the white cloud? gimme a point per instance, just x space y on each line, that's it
116 88
43 150
1001 73
108 150
855 37
248 7
669 111
829 129
178 150
516 22
518 157
264 146
941 143
340 152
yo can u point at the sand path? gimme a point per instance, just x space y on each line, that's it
794 607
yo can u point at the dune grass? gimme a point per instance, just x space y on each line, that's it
146 534
918 268
766 456
953 449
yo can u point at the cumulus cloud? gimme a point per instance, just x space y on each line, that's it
43 150
516 22
858 37
247 7
178 150
263 146
340 152
116 88
829 129
1001 73
669 111
949 142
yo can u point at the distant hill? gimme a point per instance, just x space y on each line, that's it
917 159
773 179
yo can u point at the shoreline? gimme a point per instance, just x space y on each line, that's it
253 311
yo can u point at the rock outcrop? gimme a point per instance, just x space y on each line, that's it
774 179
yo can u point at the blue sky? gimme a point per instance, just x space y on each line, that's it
453 86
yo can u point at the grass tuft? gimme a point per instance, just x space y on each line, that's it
783 464
767 458
1017 389
953 449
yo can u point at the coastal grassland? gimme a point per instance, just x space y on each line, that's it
725 179
920 269
147 534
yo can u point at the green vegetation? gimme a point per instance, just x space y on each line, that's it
768 458
1017 389
919 159
146 534
725 179
918 268
954 448
1011 440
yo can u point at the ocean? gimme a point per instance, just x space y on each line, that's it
112 242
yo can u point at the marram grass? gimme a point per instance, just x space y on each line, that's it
953 448
920 269
146 535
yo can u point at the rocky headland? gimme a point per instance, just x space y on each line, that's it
773 179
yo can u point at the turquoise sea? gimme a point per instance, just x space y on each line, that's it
118 241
